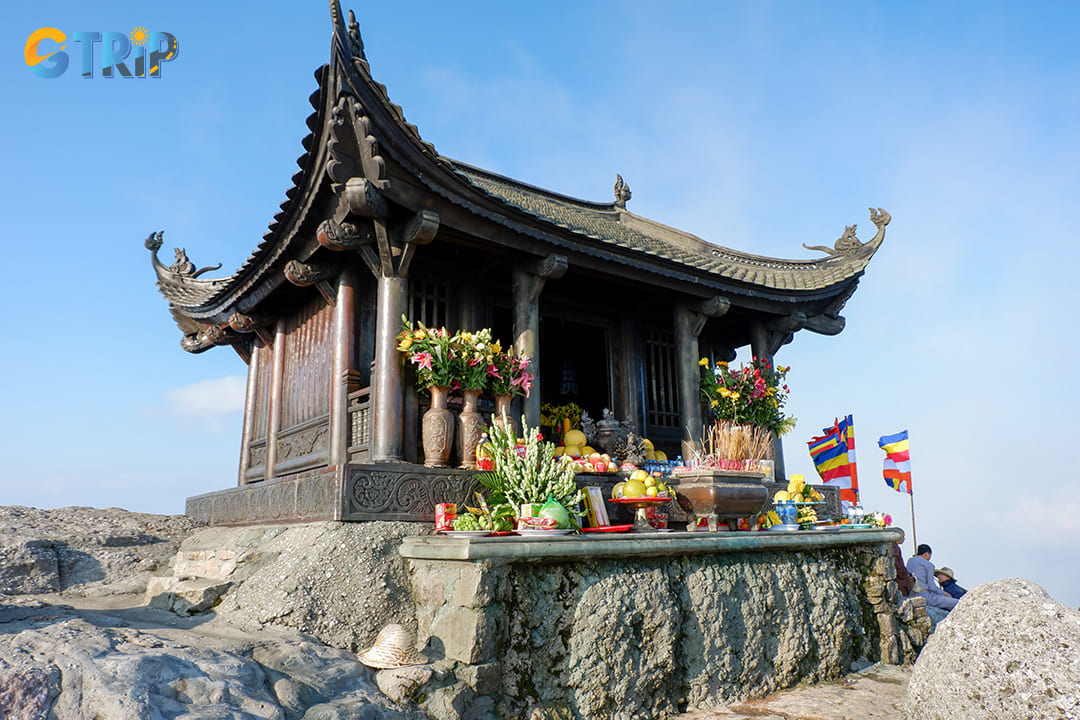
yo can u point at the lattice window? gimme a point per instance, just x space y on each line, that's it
661 380
428 303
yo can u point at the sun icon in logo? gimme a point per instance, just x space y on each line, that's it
139 36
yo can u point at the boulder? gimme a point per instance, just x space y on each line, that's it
85 551
136 663
341 582
1007 650
184 597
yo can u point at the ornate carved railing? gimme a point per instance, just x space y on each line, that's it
360 425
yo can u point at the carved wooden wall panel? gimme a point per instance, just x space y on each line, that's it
263 367
308 365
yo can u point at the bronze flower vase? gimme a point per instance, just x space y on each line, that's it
470 428
502 416
437 429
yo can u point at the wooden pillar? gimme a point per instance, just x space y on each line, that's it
344 361
386 386
273 419
249 412
689 322
527 283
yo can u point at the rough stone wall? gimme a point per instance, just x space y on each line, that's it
650 637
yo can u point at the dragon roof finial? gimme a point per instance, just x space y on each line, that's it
622 191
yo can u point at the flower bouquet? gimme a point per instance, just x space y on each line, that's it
434 353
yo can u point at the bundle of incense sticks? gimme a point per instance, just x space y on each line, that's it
725 440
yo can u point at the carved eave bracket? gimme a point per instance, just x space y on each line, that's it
304 274
257 324
209 336
849 244
534 275
697 315
419 230
781 331
345 236
825 324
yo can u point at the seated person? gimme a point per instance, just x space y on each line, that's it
948 582
904 580
938 602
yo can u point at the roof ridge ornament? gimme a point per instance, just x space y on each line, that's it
622 192
848 243
355 40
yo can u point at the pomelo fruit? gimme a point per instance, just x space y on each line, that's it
575 437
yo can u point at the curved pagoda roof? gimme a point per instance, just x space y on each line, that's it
357 132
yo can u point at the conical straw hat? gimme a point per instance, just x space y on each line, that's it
394 647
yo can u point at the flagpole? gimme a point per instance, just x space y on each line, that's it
914 540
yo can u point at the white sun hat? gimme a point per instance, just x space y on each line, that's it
394 647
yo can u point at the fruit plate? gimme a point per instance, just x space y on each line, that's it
466 533
537 531
608 528
784 528
641 500
858 526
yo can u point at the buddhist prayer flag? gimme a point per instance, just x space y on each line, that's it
897 469
834 458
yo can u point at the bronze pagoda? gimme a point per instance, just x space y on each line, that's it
378 225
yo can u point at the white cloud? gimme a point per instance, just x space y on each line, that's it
207 398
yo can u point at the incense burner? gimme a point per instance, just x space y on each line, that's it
721 495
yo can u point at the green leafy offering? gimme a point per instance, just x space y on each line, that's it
528 473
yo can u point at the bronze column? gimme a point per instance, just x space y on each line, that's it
277 377
761 347
689 322
386 385
344 344
249 411
527 282
686 351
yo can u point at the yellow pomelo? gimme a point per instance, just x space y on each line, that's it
648 444
781 496
639 475
587 450
575 437
661 455
572 450
617 491
633 489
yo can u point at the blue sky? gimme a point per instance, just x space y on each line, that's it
758 126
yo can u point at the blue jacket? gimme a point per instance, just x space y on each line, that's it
953 589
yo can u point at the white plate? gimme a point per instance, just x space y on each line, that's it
466 533
538 531
784 528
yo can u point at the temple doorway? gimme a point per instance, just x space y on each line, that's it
575 364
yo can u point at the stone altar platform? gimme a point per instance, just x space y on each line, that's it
649 625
